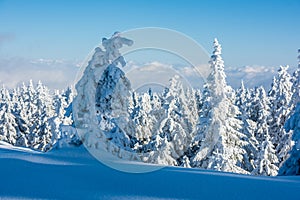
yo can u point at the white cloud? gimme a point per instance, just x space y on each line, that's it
56 74
157 72
252 76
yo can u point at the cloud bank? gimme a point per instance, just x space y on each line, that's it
56 74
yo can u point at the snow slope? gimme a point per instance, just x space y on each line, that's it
71 173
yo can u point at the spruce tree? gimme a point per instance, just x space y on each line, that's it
267 159
292 165
223 145
243 101
280 98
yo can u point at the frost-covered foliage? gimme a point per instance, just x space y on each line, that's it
33 117
243 131
292 164
222 146
292 127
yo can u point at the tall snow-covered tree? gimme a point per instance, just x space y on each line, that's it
18 112
296 85
292 165
243 101
223 145
8 126
280 97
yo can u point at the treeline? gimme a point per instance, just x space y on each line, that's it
219 128
248 130
31 116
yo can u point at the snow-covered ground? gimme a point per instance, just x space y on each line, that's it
72 173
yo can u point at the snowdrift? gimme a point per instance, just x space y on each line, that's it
72 173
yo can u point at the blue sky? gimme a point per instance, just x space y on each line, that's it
264 33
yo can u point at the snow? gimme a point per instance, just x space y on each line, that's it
72 173
217 129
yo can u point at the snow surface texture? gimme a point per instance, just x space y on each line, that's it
72 173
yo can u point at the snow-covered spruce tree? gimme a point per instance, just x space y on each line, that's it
30 112
243 101
104 82
8 126
190 112
18 112
295 85
266 157
280 96
143 119
292 165
112 104
266 163
223 145
45 134
162 152
171 139
259 113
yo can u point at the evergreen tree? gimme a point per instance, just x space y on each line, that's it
162 152
223 145
267 159
243 101
295 85
292 165
143 119
30 112
280 97
8 126
18 112
172 136
260 112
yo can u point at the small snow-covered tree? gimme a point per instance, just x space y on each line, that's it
260 112
267 159
185 162
143 119
162 152
243 101
190 112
